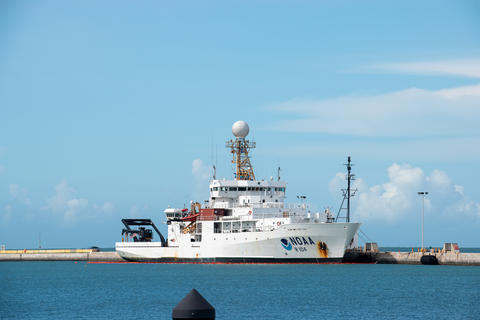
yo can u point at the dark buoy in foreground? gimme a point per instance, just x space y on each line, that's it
427 259
193 306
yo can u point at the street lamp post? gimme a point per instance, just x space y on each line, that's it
423 194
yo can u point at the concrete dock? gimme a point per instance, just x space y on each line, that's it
60 255
449 255
443 258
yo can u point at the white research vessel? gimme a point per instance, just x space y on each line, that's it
244 221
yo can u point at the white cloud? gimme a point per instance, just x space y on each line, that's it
414 150
459 189
405 175
19 193
66 202
397 198
390 200
465 206
337 183
199 170
465 91
409 113
106 208
466 68
439 179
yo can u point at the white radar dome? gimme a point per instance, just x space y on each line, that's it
240 129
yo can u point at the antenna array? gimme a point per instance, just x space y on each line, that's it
240 149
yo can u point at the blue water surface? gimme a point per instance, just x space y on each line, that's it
69 290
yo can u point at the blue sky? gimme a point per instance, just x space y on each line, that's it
117 109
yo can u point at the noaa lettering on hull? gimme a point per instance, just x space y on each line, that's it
244 221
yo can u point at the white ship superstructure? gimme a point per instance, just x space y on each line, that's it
245 220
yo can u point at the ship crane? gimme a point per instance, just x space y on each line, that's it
192 217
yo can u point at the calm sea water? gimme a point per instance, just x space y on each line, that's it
68 290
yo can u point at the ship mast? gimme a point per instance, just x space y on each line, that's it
239 149
350 176
347 193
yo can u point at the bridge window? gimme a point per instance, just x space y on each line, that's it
242 189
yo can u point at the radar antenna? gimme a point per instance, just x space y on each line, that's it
239 149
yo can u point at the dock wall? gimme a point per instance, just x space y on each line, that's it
61 256
444 258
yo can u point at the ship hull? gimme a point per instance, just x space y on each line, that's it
229 260
292 243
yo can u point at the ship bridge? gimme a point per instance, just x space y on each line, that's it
234 193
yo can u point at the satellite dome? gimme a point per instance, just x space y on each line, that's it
240 129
